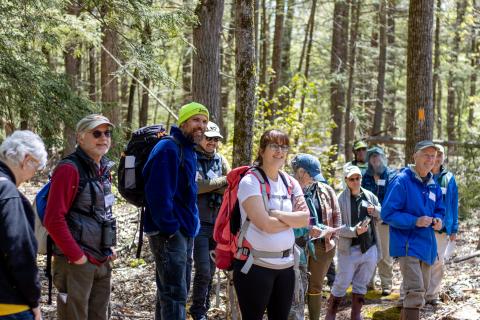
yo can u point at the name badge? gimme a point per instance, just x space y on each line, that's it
381 182
109 200
432 196
211 174
365 203
444 190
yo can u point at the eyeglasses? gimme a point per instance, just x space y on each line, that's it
216 139
97 134
354 179
276 147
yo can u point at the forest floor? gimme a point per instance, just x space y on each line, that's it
133 283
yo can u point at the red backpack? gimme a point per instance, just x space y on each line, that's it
229 232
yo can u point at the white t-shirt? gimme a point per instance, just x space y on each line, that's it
273 242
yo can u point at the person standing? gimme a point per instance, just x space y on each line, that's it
21 155
80 221
212 169
358 244
376 179
413 209
446 180
317 240
171 215
359 149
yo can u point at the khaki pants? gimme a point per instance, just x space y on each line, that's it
385 265
438 268
318 268
415 275
83 290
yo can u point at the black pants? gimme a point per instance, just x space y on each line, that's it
263 288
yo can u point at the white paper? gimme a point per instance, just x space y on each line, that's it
109 200
450 250
444 190
211 174
198 177
365 203
63 297
381 182
129 162
432 196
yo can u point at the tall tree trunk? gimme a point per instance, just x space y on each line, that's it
92 74
451 83
206 59
72 70
144 107
437 108
245 82
382 61
264 45
131 100
475 63
287 43
390 122
419 75
228 53
338 63
108 79
349 121
277 49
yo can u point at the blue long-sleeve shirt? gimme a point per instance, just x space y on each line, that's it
170 188
407 199
448 185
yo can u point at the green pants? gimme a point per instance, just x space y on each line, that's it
83 290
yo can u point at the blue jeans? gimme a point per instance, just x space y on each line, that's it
204 271
24 315
173 261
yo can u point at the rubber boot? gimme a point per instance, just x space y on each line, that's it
410 314
333 304
314 305
357 303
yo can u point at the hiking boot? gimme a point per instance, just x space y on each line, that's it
386 292
357 303
434 302
314 305
410 314
333 304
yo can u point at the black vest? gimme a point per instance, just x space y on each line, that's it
89 211
209 203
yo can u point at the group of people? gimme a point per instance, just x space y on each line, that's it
294 225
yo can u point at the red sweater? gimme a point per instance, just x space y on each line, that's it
63 189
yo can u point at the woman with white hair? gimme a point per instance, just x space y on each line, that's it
21 155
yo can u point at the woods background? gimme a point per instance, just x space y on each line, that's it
327 72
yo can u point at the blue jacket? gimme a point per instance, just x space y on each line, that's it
368 182
447 183
170 188
407 199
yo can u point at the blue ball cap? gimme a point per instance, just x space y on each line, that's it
310 164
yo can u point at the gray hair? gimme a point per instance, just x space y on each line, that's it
20 144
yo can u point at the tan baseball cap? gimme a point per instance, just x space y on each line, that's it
92 121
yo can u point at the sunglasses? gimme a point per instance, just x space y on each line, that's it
97 134
216 139
354 179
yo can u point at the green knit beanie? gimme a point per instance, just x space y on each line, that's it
191 109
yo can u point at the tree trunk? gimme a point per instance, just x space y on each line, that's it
451 83
349 121
92 74
143 114
338 63
475 63
245 82
108 79
419 75
264 44
382 61
390 123
72 70
437 114
228 53
287 43
206 59
131 100
277 51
